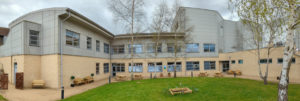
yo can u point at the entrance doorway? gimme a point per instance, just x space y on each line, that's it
15 71
225 66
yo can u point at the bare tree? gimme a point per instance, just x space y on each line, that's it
287 16
130 12
161 22
179 26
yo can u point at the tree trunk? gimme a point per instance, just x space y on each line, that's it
131 48
289 49
265 81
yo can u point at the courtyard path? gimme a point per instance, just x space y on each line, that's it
29 94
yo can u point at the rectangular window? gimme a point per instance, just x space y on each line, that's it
232 61
264 61
137 48
106 67
97 45
118 49
192 66
171 47
34 38
97 68
152 46
106 48
280 60
1 40
89 43
137 67
118 67
192 48
152 68
241 61
209 65
209 47
72 38
171 66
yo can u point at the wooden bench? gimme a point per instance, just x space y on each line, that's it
138 77
121 78
78 81
203 74
175 91
238 72
218 74
88 79
38 84
230 72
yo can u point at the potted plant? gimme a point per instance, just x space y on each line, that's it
92 74
72 78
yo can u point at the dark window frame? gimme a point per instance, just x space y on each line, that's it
34 38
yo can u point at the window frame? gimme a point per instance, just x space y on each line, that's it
193 63
135 47
106 48
173 65
135 65
241 61
37 36
89 43
159 67
98 45
97 68
172 47
106 68
193 48
73 38
152 47
207 47
211 63
117 48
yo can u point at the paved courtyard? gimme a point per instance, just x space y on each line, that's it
29 94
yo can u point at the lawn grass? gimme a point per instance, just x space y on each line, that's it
2 98
204 89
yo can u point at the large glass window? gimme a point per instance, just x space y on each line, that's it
137 67
97 45
34 38
97 68
209 65
89 43
106 67
118 49
152 68
209 47
106 48
171 47
72 38
137 48
192 66
118 67
152 46
171 66
192 48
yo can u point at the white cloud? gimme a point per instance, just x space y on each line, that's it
96 10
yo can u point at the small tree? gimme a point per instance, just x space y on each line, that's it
129 12
161 23
179 26
286 12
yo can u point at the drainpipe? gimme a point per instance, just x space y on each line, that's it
61 57
110 64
